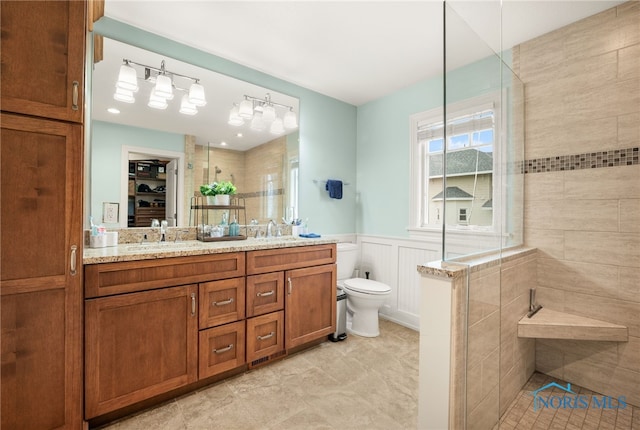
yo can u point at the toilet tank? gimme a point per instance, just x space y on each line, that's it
346 259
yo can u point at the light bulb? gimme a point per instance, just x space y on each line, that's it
246 109
127 78
234 118
186 107
290 120
276 127
196 95
157 102
124 96
163 87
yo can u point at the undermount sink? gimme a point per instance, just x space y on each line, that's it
159 246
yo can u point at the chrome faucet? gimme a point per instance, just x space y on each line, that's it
271 223
163 230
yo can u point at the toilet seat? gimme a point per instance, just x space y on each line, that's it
366 286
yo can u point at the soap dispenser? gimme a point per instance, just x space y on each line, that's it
234 228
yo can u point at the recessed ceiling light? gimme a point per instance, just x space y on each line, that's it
113 111
239 135
223 143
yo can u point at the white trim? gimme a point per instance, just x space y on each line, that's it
124 179
416 168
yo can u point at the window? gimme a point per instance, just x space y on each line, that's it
462 215
470 165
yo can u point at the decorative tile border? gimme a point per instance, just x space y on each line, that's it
590 160
276 192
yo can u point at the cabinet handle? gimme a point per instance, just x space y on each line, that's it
222 303
74 102
267 336
193 304
290 285
225 349
74 262
265 294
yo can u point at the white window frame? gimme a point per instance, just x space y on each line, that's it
417 167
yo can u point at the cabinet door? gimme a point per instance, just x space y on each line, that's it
41 272
221 302
221 349
139 345
310 304
43 58
265 335
265 293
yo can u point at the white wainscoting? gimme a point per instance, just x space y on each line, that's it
394 262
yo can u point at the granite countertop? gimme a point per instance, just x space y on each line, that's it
458 267
155 250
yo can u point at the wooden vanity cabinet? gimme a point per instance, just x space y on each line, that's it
222 326
43 58
41 272
221 349
309 275
310 310
139 345
265 293
265 336
42 86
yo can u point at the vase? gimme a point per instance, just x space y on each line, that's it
222 200
211 200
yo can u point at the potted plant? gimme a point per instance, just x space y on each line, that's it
217 193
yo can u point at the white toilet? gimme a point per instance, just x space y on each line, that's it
364 296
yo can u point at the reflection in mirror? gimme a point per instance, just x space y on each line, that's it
136 152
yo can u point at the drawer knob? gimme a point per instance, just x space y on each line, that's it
267 336
222 303
265 294
225 349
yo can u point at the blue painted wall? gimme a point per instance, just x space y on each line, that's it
383 143
327 128
105 161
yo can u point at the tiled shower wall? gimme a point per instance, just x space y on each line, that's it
582 190
499 363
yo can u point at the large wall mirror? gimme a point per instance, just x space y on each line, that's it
157 158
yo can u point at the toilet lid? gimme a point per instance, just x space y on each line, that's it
366 286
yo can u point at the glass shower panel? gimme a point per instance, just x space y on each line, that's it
481 165
473 197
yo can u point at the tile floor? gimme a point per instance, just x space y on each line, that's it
521 416
355 384
360 383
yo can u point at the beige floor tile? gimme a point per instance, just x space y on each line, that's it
360 383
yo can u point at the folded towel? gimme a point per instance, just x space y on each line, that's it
309 235
334 187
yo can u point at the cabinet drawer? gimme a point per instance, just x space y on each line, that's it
221 302
265 293
124 277
274 260
265 335
221 349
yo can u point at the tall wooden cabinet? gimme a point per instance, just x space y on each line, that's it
41 153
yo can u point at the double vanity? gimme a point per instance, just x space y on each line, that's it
162 319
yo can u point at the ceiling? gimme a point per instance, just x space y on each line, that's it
355 51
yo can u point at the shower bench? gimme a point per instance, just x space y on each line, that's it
549 324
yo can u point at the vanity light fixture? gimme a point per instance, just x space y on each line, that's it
234 117
164 84
186 107
263 115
